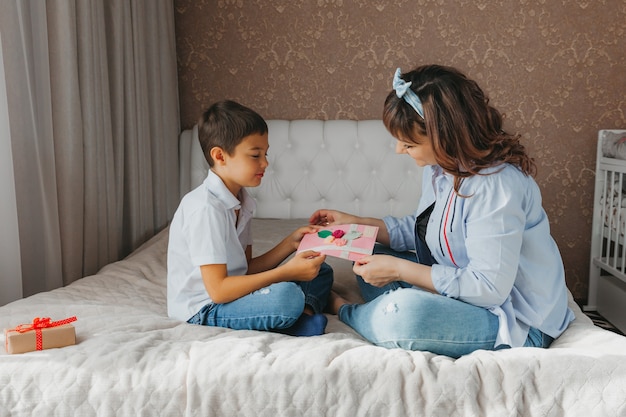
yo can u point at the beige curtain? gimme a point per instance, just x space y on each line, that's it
92 97
10 267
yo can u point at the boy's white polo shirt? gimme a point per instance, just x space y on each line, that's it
203 232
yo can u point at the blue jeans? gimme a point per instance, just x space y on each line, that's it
401 316
275 307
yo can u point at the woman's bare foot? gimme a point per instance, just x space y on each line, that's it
335 301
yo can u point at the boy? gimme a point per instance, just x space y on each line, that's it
212 278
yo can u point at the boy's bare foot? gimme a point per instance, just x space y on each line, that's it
335 301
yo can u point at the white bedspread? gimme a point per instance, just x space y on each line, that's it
131 360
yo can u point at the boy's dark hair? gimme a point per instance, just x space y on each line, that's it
224 124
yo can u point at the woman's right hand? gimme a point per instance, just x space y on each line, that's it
377 270
324 217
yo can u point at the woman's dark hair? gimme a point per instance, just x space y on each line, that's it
225 124
466 132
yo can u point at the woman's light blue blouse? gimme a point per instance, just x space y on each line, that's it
492 248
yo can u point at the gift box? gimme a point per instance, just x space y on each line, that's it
42 333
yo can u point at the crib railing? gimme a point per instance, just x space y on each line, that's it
608 239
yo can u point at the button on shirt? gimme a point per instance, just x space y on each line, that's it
492 249
205 231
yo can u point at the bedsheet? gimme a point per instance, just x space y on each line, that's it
131 359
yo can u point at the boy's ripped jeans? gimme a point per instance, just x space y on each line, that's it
275 307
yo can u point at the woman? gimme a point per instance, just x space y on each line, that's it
476 266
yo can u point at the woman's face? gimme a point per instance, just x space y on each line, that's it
420 148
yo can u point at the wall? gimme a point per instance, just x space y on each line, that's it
555 68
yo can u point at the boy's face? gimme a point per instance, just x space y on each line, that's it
246 166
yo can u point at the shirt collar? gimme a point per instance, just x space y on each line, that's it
216 186
440 175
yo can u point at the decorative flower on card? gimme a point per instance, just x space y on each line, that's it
338 236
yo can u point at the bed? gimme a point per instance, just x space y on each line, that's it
130 359
607 275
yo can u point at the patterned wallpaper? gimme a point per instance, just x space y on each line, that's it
556 68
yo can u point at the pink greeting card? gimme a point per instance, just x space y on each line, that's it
346 241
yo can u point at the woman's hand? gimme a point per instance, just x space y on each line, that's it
380 270
377 270
304 266
324 217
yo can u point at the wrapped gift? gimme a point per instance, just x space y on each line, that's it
42 333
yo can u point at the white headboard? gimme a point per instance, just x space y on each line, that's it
345 165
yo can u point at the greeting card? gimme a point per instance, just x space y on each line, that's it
346 241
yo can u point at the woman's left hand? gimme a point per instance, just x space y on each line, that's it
377 270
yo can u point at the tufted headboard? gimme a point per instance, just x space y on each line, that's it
345 165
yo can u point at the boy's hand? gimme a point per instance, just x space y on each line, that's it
304 266
296 236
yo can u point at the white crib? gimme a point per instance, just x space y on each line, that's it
607 276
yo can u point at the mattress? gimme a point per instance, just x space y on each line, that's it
130 359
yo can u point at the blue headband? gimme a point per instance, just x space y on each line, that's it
404 91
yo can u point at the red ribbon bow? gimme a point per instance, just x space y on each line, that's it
41 323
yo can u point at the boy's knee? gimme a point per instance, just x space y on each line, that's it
325 268
289 296
286 289
326 274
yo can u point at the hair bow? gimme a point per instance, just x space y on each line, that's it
404 91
